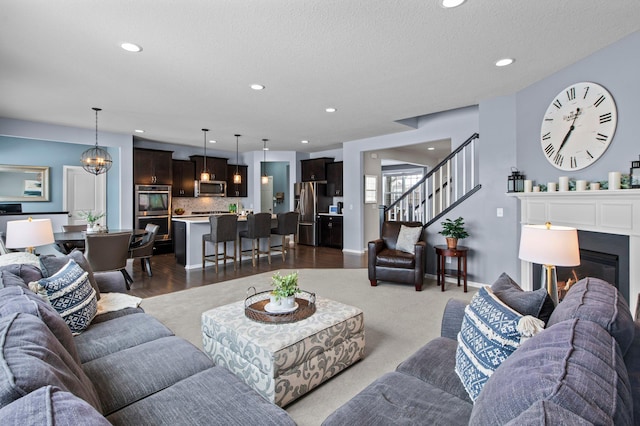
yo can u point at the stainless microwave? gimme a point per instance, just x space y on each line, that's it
213 188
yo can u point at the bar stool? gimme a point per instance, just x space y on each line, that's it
258 227
223 228
287 225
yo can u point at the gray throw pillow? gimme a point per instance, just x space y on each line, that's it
536 303
52 264
407 238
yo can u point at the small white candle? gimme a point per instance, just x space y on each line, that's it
536 188
528 185
595 186
614 180
552 187
564 183
581 185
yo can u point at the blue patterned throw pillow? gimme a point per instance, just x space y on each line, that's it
71 294
491 331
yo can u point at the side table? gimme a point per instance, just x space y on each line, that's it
460 252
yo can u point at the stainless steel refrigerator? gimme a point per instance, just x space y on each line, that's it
310 199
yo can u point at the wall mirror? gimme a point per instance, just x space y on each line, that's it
24 183
370 189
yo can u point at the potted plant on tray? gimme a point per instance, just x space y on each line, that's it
284 290
453 230
91 220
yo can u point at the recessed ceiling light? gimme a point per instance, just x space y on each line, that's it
430 148
257 87
331 109
304 141
504 62
131 47
212 141
265 149
448 4
139 131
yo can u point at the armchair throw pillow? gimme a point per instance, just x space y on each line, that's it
408 237
71 294
491 331
537 303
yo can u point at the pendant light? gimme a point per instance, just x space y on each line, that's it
264 179
205 175
96 160
237 178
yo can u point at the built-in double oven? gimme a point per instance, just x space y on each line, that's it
153 205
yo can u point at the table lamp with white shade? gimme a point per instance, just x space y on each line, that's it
29 233
550 246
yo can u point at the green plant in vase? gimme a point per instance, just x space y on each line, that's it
453 230
285 288
91 219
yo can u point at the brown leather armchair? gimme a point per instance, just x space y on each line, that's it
389 264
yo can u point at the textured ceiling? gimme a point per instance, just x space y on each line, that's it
376 61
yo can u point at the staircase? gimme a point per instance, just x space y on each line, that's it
448 184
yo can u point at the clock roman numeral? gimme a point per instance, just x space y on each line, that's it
599 101
546 136
586 90
604 118
549 150
571 93
589 154
574 162
557 104
601 137
558 159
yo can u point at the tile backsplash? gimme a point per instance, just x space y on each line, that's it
206 203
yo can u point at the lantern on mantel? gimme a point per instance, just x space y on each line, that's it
635 174
515 182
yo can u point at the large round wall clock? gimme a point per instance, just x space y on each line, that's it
578 126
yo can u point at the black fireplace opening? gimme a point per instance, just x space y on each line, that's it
604 256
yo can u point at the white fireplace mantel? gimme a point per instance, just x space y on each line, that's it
605 211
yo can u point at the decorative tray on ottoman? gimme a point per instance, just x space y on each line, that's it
254 307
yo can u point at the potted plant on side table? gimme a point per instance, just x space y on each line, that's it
453 230
284 290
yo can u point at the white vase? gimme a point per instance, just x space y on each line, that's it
92 228
288 302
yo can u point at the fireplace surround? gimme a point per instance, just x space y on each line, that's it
613 212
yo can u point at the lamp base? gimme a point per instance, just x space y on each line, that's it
550 282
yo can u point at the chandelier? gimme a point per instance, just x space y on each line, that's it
96 160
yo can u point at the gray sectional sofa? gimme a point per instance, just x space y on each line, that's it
583 368
126 368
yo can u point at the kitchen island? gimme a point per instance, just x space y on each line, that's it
187 239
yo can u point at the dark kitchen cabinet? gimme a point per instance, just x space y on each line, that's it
179 238
217 166
184 172
331 231
239 190
334 179
152 166
314 169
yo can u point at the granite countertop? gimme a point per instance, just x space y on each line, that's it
29 213
330 214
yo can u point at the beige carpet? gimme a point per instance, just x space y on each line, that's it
398 321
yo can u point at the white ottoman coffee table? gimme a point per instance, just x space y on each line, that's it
284 361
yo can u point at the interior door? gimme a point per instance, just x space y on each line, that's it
83 191
266 196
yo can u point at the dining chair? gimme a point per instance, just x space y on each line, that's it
287 225
258 227
223 228
143 249
68 246
109 252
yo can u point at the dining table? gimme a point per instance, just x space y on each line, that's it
67 241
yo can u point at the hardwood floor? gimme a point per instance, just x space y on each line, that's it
169 276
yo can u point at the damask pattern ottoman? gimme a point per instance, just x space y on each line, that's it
284 361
